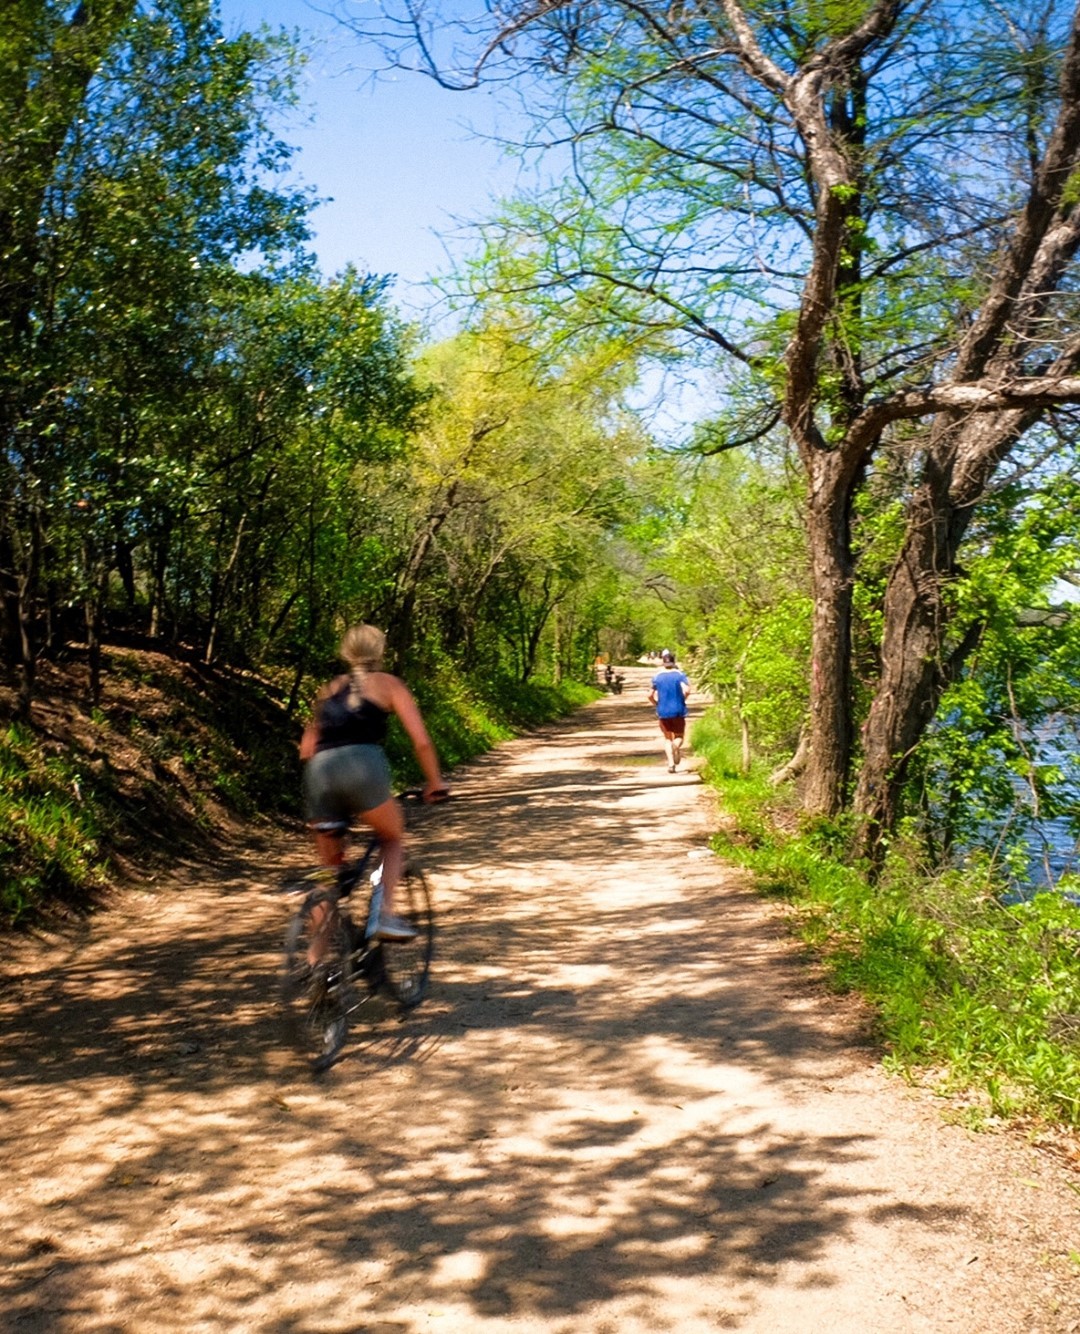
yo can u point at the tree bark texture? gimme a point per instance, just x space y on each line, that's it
832 574
919 657
918 661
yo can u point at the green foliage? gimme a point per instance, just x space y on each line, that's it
211 449
155 184
495 523
714 740
50 828
467 716
699 217
986 996
1000 762
207 443
736 558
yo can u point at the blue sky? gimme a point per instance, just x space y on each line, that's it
404 161
408 166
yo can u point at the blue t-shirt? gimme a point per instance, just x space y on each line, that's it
670 701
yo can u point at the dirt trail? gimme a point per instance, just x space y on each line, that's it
628 1105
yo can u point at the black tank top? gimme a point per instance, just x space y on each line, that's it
340 725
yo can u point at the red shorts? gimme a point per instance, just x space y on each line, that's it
673 726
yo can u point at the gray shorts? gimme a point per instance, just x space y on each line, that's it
345 781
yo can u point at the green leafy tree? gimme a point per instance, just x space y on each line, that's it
148 197
752 596
999 767
503 509
49 53
312 383
864 214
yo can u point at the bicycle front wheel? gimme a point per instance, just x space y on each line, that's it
317 995
407 963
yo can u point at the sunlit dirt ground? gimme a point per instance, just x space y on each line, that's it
628 1105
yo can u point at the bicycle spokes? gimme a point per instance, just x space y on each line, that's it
316 986
332 967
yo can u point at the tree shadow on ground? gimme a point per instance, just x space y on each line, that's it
569 1120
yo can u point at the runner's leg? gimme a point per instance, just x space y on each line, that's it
669 749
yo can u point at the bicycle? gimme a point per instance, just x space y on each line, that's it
354 965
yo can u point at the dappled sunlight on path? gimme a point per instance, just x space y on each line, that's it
627 1105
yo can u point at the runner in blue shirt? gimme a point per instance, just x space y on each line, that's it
670 687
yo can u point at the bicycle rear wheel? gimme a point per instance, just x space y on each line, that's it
407 963
318 997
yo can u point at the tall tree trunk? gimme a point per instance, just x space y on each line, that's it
159 562
831 123
921 653
532 645
400 629
97 574
222 591
746 758
27 653
26 551
964 451
912 669
830 730
9 604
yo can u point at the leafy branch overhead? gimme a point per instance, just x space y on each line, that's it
860 218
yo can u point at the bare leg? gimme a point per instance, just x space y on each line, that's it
388 824
670 743
330 850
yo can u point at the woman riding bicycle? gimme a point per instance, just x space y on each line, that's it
347 775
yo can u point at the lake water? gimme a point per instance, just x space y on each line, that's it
1053 844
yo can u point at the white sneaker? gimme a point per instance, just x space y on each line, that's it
392 927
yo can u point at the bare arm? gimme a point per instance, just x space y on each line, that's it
308 741
311 732
408 712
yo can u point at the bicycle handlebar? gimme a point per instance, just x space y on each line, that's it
414 796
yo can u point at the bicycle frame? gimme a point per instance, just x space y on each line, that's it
320 995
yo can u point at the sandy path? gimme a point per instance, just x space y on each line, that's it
628 1106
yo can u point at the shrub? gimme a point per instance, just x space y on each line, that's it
961 980
50 828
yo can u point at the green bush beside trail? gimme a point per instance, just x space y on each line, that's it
50 838
983 995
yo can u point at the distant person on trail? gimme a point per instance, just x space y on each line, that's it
347 775
670 687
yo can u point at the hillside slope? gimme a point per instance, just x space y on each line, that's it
173 754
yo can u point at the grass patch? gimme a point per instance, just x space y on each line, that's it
985 995
50 833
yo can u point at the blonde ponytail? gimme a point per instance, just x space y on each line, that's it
362 649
